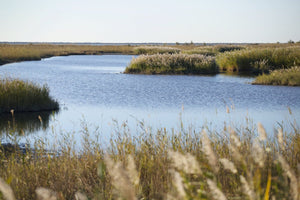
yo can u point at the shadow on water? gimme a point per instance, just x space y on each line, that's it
24 123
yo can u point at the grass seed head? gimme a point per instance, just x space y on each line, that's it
246 188
209 152
291 175
120 179
280 139
187 163
258 154
6 190
227 164
45 194
178 183
262 132
215 191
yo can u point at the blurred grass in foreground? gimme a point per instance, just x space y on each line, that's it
236 163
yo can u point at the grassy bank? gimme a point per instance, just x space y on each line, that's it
290 77
15 53
172 64
259 59
23 96
236 163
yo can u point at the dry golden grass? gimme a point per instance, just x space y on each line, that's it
232 164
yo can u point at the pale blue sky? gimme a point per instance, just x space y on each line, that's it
150 21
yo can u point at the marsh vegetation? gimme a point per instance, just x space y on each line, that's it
290 77
172 64
252 59
258 60
155 50
21 96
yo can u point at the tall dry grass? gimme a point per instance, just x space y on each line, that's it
236 163
259 59
290 77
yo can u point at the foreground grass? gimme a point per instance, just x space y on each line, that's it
20 96
236 163
290 77
259 60
172 64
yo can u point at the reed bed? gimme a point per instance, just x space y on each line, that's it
19 96
259 60
172 64
155 50
236 163
290 77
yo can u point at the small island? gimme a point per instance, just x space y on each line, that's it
21 96
172 64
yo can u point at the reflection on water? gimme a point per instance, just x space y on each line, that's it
24 123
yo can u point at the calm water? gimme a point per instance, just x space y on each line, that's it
93 90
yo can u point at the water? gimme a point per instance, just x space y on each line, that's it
92 90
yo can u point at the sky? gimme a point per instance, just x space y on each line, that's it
209 21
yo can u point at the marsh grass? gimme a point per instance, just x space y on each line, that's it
213 50
290 77
21 96
235 163
172 64
155 50
259 60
